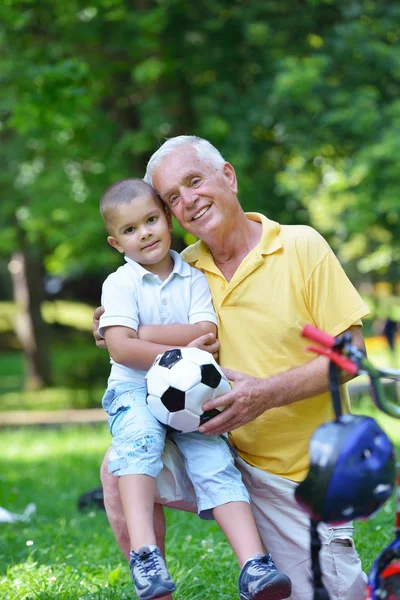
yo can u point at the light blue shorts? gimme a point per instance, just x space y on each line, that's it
138 443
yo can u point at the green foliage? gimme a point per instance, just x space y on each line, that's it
79 367
76 315
78 395
301 98
80 375
67 555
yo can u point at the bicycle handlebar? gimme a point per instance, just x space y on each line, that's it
316 335
349 358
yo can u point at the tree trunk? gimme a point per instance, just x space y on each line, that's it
26 270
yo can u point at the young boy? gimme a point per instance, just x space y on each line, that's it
154 303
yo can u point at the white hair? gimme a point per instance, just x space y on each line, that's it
204 149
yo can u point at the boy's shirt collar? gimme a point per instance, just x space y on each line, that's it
180 267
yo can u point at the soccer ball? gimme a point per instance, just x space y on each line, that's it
179 382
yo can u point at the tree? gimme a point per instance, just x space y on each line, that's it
302 97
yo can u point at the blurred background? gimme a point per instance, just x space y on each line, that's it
302 97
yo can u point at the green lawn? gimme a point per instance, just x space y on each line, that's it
65 555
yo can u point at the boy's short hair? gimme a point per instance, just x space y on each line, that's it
122 192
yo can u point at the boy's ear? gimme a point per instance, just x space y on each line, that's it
114 243
169 217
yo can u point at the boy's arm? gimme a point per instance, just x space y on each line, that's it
201 317
127 349
175 335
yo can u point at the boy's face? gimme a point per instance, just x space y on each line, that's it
141 229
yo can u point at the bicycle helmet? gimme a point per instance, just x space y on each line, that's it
352 470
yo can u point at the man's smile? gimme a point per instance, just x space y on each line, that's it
200 213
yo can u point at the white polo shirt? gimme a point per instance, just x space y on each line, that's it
132 296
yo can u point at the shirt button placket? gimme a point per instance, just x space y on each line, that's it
163 308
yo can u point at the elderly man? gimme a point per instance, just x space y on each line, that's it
267 281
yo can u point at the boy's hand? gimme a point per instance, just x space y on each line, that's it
207 342
100 342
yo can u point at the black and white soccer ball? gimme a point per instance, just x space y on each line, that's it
179 382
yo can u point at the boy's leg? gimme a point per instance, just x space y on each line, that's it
173 489
259 579
137 497
219 487
211 469
114 511
135 458
284 527
237 522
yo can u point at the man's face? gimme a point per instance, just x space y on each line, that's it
200 195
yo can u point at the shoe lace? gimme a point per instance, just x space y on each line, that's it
260 563
147 563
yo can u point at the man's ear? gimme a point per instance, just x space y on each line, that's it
230 175
114 243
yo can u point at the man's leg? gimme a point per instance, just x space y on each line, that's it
285 529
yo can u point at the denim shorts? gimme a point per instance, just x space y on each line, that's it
137 437
138 444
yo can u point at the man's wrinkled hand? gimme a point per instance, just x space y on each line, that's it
100 342
243 404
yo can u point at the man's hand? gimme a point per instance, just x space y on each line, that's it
243 404
100 342
251 396
207 342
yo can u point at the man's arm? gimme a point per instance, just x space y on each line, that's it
100 341
127 349
252 396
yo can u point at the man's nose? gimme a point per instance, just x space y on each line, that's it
189 197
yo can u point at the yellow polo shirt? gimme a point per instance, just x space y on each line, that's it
289 279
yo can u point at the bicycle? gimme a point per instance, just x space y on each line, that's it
384 576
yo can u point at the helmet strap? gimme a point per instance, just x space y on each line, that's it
320 593
334 386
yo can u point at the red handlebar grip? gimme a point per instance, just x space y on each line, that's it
346 364
316 335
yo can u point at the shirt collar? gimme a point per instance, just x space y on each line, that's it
269 243
180 267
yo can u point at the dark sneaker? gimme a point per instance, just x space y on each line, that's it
260 580
149 573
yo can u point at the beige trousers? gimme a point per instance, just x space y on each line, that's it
283 527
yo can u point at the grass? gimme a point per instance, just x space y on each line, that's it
65 555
